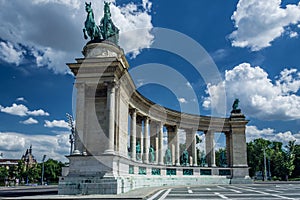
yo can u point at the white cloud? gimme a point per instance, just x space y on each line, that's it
14 145
259 96
10 54
56 123
252 132
15 109
21 99
29 121
51 30
182 100
258 23
135 26
21 110
293 34
39 112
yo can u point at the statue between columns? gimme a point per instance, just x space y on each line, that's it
151 154
185 158
168 157
138 151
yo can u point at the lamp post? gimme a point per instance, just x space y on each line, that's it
265 165
72 135
43 160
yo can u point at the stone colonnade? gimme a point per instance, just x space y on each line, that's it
109 109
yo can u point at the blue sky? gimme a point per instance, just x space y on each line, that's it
254 47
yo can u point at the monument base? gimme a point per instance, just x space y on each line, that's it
95 185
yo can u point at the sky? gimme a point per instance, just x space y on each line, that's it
194 57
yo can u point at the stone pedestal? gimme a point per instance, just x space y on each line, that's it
238 148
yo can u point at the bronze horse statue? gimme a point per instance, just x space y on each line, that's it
91 27
106 31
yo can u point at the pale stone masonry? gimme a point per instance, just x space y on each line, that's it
112 119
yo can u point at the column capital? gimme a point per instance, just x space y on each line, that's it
111 84
80 85
146 118
132 111
171 128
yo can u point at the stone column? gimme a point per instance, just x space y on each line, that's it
228 148
189 141
111 116
177 148
210 148
173 154
238 148
171 142
146 140
156 150
153 138
80 118
139 139
133 134
161 144
194 149
238 144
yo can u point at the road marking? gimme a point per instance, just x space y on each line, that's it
221 195
165 194
261 192
208 189
190 191
156 195
273 191
236 191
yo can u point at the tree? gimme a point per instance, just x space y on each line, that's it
3 174
289 158
296 172
256 156
220 157
52 170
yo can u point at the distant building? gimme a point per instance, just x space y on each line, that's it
8 162
28 159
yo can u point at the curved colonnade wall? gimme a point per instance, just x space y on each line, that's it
110 112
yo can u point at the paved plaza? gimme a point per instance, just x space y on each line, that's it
240 192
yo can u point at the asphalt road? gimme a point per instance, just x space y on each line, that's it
27 191
240 192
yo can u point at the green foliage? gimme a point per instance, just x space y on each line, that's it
256 156
220 156
282 160
52 170
296 172
3 174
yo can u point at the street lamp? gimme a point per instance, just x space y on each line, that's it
265 165
43 160
72 135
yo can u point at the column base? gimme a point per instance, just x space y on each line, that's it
109 151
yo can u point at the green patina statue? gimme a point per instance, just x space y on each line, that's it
223 159
138 151
185 158
90 25
235 106
168 157
151 154
202 159
106 31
